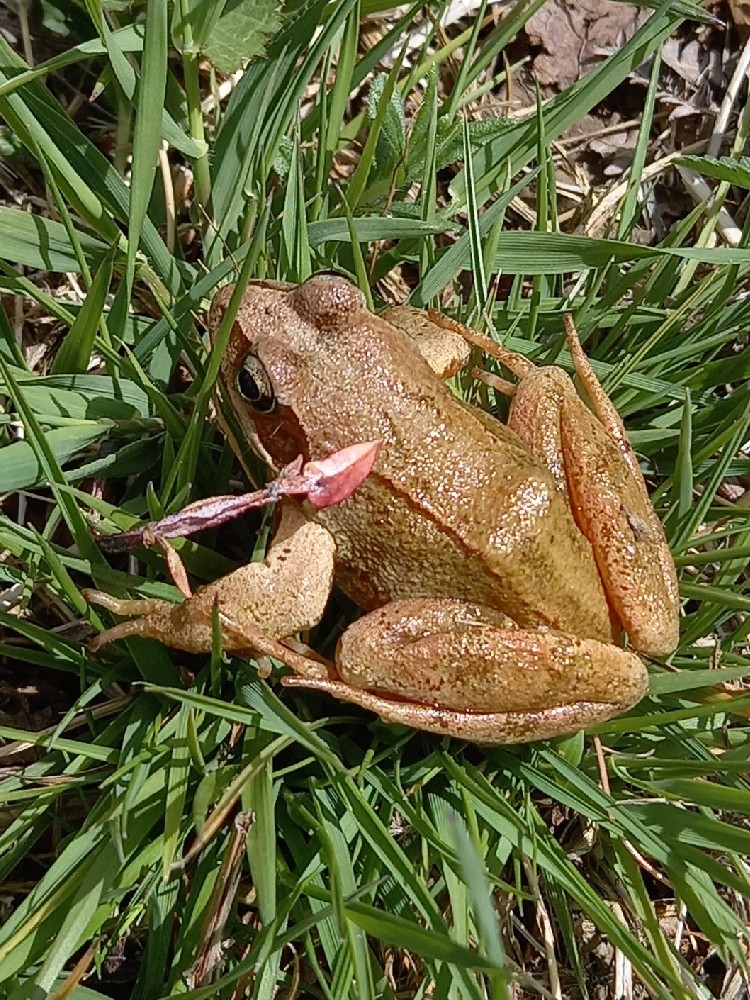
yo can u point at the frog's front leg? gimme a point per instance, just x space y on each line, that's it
468 671
442 346
258 604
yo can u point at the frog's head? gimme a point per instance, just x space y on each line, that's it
279 371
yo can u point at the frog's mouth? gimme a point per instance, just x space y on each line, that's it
278 437
274 439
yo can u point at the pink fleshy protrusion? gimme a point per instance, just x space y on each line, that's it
341 473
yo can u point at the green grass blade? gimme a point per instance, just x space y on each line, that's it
75 352
147 137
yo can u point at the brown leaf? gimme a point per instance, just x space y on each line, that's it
341 473
575 36
740 11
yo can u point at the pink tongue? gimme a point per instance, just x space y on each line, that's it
341 473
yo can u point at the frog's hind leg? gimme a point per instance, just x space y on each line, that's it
609 491
488 728
593 464
601 404
464 670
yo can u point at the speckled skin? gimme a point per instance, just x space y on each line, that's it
499 563
460 520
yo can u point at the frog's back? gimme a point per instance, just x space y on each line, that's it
456 506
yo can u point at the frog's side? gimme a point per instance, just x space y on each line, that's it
494 622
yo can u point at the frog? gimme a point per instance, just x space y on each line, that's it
499 565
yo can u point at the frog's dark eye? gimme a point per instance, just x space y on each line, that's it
254 385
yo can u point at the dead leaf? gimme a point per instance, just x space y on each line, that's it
740 11
575 35
684 59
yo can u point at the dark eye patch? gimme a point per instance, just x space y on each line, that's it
254 385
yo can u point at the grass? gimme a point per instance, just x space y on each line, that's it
223 837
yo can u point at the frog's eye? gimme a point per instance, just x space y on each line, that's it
254 385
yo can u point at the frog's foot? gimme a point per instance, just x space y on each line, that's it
468 671
189 626
149 610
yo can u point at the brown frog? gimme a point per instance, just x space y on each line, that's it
499 563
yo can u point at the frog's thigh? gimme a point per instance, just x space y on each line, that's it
535 417
613 510
455 668
609 502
